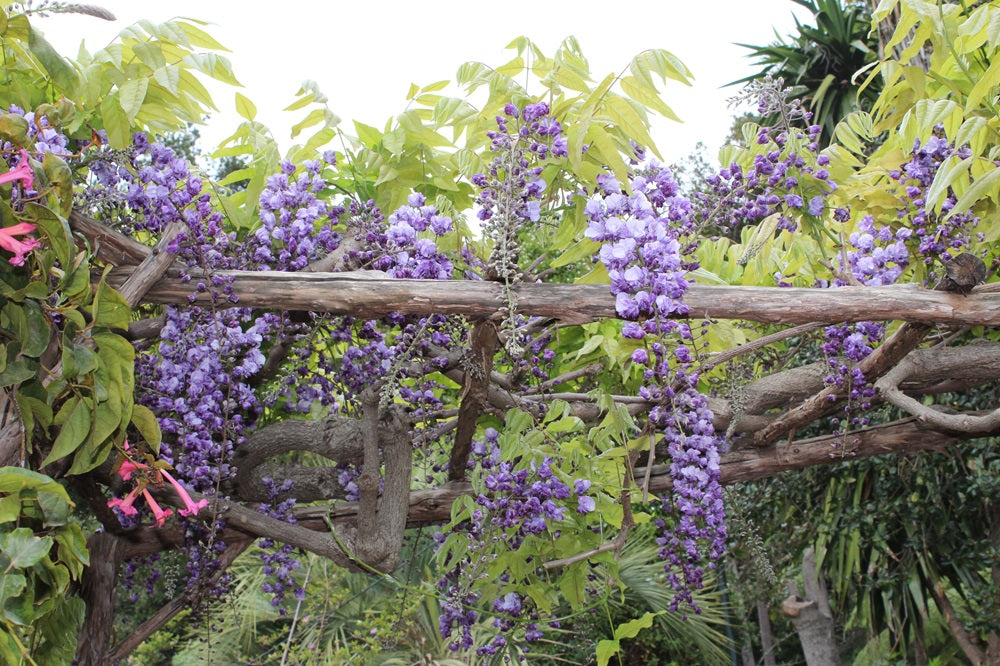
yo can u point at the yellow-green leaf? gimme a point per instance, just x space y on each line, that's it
245 107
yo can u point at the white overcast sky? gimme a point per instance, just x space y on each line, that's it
364 55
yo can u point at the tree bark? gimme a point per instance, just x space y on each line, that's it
433 506
97 590
370 294
812 617
766 633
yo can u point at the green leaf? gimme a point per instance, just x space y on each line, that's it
11 587
56 509
245 107
78 360
367 134
986 185
14 128
592 343
23 548
395 140
984 84
647 96
607 649
32 327
116 122
567 78
19 369
584 248
74 431
110 308
61 178
573 583
16 479
315 117
632 628
512 68
131 95
602 144
145 422
662 62
55 230
198 37
625 115
94 451
214 65
61 72
72 548
301 102
10 508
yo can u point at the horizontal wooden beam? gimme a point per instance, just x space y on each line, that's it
370 294
432 506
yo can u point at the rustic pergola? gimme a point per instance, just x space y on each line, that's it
773 410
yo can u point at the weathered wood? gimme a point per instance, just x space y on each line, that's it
152 267
369 294
433 506
903 436
475 389
812 616
109 245
97 589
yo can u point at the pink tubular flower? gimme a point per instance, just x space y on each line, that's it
191 508
159 514
19 248
21 172
125 505
127 467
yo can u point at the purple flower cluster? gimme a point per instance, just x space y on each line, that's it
163 190
877 256
360 353
515 502
641 243
46 138
296 227
939 235
279 563
146 565
401 253
847 345
789 180
511 190
645 238
196 383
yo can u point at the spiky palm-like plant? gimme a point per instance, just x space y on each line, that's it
820 62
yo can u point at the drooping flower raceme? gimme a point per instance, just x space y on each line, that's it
515 503
646 240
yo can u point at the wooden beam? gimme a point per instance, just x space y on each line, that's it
371 294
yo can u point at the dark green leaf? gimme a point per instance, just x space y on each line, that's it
55 508
74 429
23 548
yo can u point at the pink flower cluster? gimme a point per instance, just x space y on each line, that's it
23 173
127 504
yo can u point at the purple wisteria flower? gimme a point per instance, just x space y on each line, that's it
646 240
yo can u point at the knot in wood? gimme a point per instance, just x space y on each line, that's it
963 273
